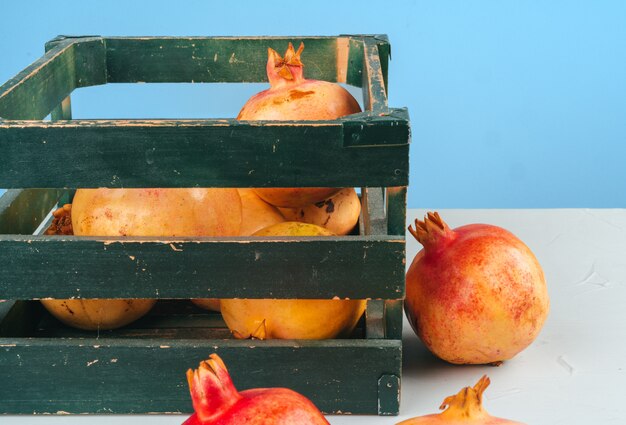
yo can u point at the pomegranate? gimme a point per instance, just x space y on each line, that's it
339 213
91 314
463 408
255 215
287 318
217 401
140 212
212 304
475 294
156 212
292 97
98 314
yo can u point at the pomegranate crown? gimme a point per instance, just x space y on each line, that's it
431 230
468 401
212 390
287 68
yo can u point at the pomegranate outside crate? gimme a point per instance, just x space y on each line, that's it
475 294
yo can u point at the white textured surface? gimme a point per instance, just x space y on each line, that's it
573 374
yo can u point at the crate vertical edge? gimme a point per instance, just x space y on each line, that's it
87 374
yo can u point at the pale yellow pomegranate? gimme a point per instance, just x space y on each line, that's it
339 213
156 212
212 304
463 408
91 314
97 314
255 215
287 319
140 212
292 97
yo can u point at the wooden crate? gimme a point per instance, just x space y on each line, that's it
48 368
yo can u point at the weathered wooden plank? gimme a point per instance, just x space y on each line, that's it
34 92
354 71
383 129
63 111
211 59
21 211
373 215
384 54
374 95
89 58
396 210
200 153
375 319
355 267
110 376
393 318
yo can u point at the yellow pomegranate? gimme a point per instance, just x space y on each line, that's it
339 213
255 215
212 304
98 314
140 212
294 197
291 319
463 408
156 212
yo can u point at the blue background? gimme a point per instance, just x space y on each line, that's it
513 104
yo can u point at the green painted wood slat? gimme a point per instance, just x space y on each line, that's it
197 153
354 267
35 92
99 375
207 60
73 62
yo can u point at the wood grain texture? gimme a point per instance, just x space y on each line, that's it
100 375
395 198
205 153
373 214
214 59
63 111
374 94
375 319
37 89
355 267
394 312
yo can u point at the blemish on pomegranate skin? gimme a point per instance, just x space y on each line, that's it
299 94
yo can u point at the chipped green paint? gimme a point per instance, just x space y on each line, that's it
355 267
357 150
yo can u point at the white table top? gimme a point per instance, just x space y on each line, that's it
573 374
